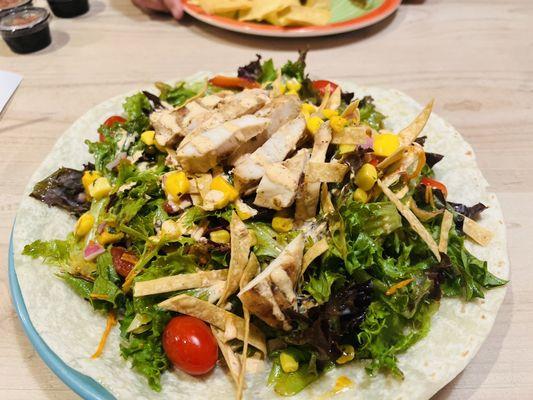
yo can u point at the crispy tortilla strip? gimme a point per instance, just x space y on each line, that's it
352 111
335 99
476 232
250 271
411 132
179 282
215 316
315 251
357 135
325 200
241 242
421 214
412 219
445 227
325 172
307 198
232 361
408 135
244 357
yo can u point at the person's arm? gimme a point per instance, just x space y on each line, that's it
171 6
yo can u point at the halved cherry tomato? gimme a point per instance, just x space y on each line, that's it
114 119
432 183
322 85
190 345
233 82
123 260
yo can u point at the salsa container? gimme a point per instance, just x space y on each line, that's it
26 29
68 8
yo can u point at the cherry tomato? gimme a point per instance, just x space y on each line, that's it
432 183
114 119
123 260
233 82
190 345
322 85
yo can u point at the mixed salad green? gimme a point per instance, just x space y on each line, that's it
365 297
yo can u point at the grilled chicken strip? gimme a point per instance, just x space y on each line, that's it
251 167
279 185
280 111
272 291
203 151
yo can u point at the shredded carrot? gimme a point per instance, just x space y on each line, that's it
397 286
111 322
98 296
129 280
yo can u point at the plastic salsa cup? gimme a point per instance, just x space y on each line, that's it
26 29
9 5
68 8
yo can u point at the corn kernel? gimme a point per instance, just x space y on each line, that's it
88 178
292 92
84 225
282 224
215 200
328 113
337 123
221 236
171 229
176 184
288 362
294 85
222 185
282 88
385 144
308 108
346 148
360 195
348 354
148 137
100 188
366 177
314 124
109 235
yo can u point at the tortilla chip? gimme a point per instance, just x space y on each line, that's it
179 282
335 99
244 356
357 135
215 316
224 6
261 8
412 219
325 172
447 220
250 271
241 242
304 15
315 251
476 232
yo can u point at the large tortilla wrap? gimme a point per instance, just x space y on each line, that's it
72 330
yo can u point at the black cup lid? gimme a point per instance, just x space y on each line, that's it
9 4
23 18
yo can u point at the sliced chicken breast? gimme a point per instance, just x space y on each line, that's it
280 111
251 167
203 151
279 184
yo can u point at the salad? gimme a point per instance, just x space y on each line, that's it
264 219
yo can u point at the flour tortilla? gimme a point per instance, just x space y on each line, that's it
72 330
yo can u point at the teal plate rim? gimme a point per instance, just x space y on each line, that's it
86 387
